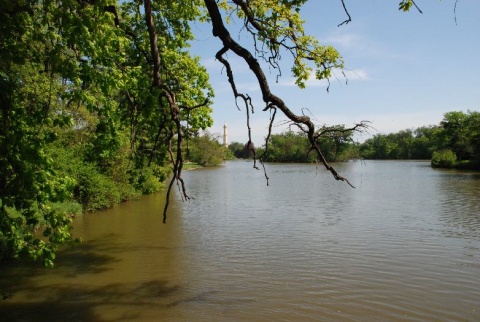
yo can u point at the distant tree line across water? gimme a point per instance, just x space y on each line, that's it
455 142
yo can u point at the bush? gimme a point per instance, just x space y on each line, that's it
71 208
443 159
148 180
206 151
94 190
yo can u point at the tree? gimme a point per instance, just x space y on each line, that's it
378 147
336 142
117 76
418 143
239 150
425 142
82 65
460 132
288 147
456 138
443 159
206 150
31 113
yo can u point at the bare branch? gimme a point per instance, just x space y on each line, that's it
153 43
267 139
173 109
417 6
455 11
220 31
359 127
191 108
347 21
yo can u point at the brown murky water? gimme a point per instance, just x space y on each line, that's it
403 246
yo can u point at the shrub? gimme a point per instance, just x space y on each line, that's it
94 190
443 159
206 151
148 180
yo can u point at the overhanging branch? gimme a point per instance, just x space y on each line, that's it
220 31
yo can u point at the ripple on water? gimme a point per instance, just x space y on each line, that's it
403 246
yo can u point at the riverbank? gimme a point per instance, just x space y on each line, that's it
191 166
462 165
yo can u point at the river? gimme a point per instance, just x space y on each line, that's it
404 245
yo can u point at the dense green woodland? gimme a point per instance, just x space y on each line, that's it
101 101
88 120
455 142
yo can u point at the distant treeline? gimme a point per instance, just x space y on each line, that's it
455 142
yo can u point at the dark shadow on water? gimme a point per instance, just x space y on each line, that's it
26 294
81 259
201 297
74 302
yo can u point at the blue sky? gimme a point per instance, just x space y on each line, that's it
404 70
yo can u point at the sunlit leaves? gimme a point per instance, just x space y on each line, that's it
405 5
277 27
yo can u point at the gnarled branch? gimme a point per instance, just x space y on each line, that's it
220 31
175 126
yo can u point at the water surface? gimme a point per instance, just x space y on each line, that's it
403 246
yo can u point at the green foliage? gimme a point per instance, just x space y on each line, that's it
206 151
336 145
280 27
71 208
147 180
239 150
229 154
407 144
289 147
455 142
30 118
94 190
79 121
443 159
101 182
349 152
460 132
405 5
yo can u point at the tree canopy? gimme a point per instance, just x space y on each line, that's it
114 81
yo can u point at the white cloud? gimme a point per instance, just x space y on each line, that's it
352 45
345 40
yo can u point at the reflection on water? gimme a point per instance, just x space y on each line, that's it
403 245
459 196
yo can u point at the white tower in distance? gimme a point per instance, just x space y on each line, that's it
225 135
